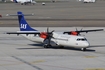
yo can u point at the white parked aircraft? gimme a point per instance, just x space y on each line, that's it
48 39
89 1
25 2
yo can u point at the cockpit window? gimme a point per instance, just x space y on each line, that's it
81 39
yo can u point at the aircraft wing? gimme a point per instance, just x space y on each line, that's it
90 30
66 32
81 31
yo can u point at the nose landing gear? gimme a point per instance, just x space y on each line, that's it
83 49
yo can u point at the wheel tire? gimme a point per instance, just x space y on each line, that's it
21 3
61 46
46 46
83 49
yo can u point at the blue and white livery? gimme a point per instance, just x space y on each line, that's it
48 39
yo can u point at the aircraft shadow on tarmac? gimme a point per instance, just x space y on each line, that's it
40 46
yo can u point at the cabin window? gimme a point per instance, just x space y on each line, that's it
81 39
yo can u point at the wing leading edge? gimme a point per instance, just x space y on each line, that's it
81 31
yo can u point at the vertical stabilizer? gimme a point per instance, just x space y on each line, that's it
24 26
15 1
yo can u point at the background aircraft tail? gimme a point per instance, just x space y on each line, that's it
15 1
24 26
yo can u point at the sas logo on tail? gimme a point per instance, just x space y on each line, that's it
23 26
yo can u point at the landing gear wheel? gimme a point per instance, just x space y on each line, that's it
47 46
83 49
21 3
61 46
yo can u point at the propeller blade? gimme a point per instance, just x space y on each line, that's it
47 29
47 40
52 31
76 29
81 29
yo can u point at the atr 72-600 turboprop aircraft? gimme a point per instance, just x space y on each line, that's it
48 39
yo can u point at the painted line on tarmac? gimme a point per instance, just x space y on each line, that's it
26 63
90 56
95 69
17 63
1 22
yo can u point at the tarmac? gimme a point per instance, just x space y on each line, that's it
18 53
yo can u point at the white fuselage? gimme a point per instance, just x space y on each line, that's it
87 1
25 1
62 40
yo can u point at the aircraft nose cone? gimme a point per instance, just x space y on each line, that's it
86 44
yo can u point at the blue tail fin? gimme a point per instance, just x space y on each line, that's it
24 26
15 1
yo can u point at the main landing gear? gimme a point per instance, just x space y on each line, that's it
46 45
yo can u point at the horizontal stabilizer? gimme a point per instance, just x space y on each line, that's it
20 14
24 32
